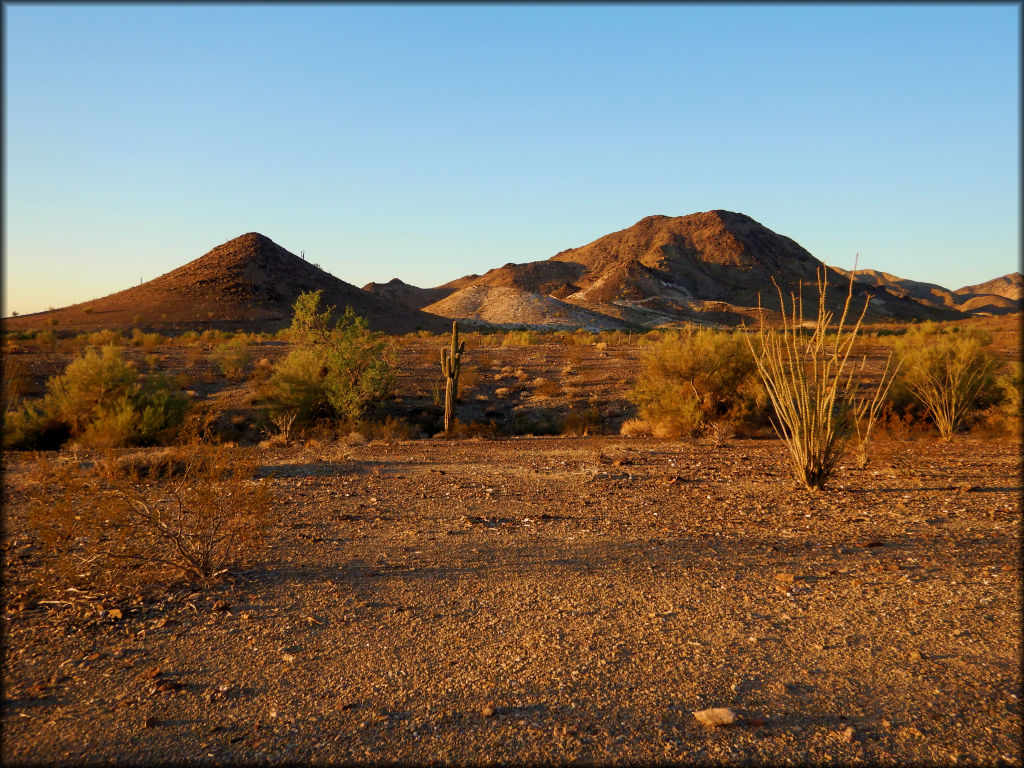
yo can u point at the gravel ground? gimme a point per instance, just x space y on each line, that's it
556 599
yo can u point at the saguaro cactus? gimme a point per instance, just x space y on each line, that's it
451 361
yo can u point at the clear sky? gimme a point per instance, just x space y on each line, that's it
429 142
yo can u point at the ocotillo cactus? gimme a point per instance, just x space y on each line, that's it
450 363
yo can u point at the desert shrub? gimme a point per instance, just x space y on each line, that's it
149 340
811 381
519 339
262 370
31 426
232 357
15 383
339 367
390 428
1011 388
45 338
191 514
583 421
105 338
547 387
298 385
88 384
188 338
688 380
951 376
533 423
100 401
486 362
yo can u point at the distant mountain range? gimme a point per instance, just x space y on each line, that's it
715 267
712 267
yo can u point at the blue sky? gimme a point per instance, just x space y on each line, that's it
429 142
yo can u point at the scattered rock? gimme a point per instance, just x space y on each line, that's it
150 722
786 578
715 716
488 710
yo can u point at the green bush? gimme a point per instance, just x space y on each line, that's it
233 357
697 377
99 401
105 338
88 383
339 367
950 377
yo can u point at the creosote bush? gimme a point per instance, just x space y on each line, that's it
695 378
339 368
950 375
814 388
232 357
190 512
99 400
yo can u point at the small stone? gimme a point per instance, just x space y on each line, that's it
96 656
715 716
488 710
221 605
114 613
288 658
886 723
786 578
150 722
916 656
847 734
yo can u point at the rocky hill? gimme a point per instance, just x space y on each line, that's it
712 267
1000 296
249 282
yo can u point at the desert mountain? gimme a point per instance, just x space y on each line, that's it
249 282
706 267
1000 296
399 292
1009 286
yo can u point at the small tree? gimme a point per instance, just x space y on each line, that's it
812 384
339 366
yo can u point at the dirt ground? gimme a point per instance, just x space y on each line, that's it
533 599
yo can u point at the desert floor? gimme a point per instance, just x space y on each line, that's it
533 599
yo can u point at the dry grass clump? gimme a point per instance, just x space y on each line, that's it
188 513
814 386
636 428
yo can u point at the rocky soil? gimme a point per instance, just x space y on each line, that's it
553 599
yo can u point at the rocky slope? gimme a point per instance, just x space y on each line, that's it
1000 296
717 267
249 282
